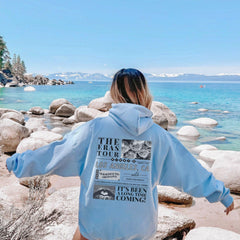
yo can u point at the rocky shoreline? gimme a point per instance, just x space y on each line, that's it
20 131
8 80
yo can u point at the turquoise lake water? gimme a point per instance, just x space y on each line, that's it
217 97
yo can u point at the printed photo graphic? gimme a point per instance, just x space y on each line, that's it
135 149
104 192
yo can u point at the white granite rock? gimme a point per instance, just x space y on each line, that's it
37 111
65 110
29 89
57 130
188 131
65 200
204 122
15 116
84 113
170 222
36 124
171 194
202 110
11 133
204 164
46 136
55 104
211 233
70 120
103 103
212 156
160 109
30 144
227 169
202 147
5 110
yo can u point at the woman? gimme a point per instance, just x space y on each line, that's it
121 159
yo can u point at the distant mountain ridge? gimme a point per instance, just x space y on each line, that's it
79 76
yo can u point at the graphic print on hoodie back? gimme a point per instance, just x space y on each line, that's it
122 169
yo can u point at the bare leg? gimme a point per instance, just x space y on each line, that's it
77 235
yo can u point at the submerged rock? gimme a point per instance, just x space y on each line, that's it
188 131
29 89
204 122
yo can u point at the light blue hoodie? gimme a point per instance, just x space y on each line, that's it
121 159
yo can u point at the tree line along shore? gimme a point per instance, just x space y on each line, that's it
13 71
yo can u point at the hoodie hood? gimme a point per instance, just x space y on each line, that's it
135 119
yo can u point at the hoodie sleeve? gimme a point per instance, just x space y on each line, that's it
182 170
64 158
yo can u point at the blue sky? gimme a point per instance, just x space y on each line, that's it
156 36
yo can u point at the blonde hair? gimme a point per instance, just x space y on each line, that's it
130 86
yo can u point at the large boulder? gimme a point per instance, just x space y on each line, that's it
15 116
172 195
57 103
84 114
70 120
65 200
37 111
11 133
5 110
30 144
36 124
211 233
204 122
212 155
172 223
159 109
203 147
188 131
226 168
65 110
103 103
46 136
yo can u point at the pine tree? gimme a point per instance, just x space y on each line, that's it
8 66
18 67
23 67
4 53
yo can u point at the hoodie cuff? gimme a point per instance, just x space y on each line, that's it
10 162
227 201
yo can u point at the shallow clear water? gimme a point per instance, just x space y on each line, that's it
217 97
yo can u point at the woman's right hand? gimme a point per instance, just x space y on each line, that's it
229 209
